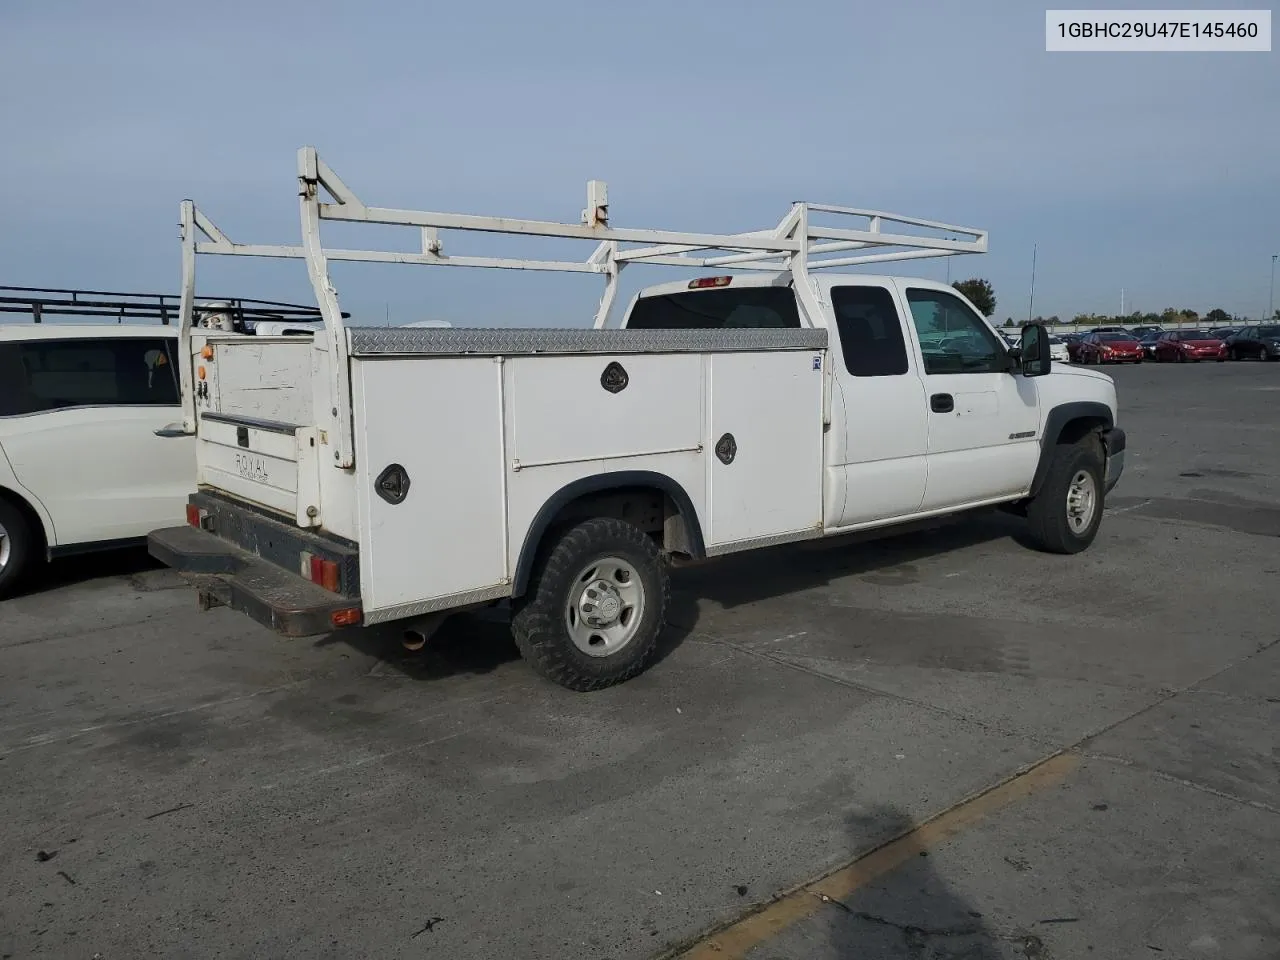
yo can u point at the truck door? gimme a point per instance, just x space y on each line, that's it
876 459
983 419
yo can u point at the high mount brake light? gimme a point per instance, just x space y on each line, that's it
703 282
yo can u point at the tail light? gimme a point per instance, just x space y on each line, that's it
195 516
321 572
703 282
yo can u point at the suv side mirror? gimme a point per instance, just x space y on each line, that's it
1034 350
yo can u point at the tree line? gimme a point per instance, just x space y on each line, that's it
981 294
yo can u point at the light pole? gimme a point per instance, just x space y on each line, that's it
1271 297
1031 301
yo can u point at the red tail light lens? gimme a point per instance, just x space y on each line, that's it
329 576
703 282
322 572
193 515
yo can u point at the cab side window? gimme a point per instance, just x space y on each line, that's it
41 375
952 337
870 331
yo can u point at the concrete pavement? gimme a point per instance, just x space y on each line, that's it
200 787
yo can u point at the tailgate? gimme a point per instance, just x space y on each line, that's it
265 462
256 440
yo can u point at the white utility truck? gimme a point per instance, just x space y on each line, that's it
372 474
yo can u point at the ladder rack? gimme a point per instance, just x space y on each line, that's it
796 244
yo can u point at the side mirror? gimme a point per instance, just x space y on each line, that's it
1033 351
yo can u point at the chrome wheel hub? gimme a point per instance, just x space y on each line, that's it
1082 501
5 547
605 607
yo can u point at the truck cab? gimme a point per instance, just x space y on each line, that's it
928 411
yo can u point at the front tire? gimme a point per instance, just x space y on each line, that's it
1065 515
17 549
595 606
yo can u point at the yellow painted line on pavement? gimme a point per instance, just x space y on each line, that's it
734 941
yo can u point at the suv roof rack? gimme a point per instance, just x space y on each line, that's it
41 302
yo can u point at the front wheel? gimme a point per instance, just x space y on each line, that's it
1065 515
595 606
17 548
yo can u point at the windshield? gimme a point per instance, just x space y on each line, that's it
1196 335
1117 338
1269 331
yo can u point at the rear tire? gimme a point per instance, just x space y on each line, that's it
601 568
17 549
1065 515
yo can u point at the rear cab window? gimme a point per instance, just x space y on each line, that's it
58 374
741 308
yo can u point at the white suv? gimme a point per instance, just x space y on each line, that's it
81 465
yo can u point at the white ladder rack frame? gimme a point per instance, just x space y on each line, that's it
795 245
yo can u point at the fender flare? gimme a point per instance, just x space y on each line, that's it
600 483
1054 424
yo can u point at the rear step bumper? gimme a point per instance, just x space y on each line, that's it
229 576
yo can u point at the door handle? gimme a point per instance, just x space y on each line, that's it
942 403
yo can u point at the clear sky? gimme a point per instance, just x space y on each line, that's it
1155 173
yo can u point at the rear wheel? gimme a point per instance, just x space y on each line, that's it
17 548
1065 515
595 606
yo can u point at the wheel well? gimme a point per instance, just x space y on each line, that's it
29 514
1076 430
653 503
1066 424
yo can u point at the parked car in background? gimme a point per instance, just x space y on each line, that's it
1142 332
1108 347
1058 350
1225 333
1124 330
1193 346
1148 342
92 453
81 465
1260 342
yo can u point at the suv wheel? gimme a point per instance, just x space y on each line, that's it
17 548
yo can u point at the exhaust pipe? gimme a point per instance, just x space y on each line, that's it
421 629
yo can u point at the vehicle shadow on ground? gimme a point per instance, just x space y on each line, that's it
87 567
906 909
777 571
480 642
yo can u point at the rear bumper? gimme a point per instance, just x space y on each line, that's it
1114 442
226 574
